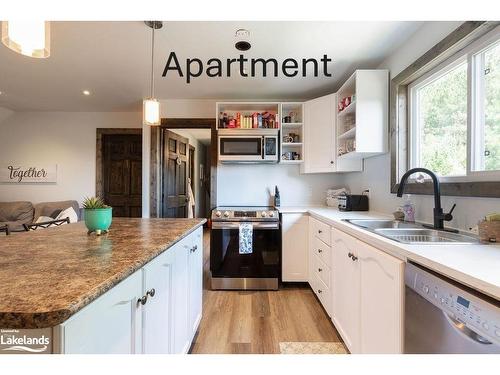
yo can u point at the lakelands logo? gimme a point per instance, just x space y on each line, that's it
12 340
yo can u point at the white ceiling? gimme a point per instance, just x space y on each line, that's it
112 60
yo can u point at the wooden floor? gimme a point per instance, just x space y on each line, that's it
257 321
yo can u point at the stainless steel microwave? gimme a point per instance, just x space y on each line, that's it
248 147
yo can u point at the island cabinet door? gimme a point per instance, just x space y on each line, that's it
109 325
157 311
294 247
180 322
195 281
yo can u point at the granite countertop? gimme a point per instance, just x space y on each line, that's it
48 275
475 265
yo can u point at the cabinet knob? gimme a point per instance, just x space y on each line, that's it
320 269
194 248
320 251
151 292
320 231
142 300
331 162
354 258
320 291
349 255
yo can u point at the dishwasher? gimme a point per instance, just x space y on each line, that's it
445 317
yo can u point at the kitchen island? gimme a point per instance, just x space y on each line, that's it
135 290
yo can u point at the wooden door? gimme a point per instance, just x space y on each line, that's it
382 301
157 312
346 293
122 174
175 175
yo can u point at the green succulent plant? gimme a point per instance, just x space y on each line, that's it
93 203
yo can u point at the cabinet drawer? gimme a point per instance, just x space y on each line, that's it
322 250
321 270
321 230
324 294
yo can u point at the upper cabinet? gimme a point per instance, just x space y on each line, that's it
319 138
362 115
292 133
319 135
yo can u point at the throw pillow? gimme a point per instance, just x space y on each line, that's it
68 212
44 219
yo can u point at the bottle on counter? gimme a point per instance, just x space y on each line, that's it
408 209
276 196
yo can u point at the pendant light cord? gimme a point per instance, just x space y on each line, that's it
152 61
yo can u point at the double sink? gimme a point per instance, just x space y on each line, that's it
411 233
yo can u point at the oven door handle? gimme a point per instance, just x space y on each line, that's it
236 225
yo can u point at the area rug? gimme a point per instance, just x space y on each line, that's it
312 348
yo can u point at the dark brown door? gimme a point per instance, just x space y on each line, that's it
175 174
122 174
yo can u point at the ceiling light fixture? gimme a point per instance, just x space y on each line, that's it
151 105
29 38
242 40
86 92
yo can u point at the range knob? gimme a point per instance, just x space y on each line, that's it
486 326
226 213
218 213
497 332
263 214
426 289
271 214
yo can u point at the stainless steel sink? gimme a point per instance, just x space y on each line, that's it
411 233
424 235
381 223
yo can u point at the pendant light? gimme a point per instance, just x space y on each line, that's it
29 38
151 106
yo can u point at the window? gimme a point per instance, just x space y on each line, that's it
461 93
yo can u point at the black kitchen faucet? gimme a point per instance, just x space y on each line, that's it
439 216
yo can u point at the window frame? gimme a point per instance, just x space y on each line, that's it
466 40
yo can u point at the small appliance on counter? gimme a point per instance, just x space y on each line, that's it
353 202
276 196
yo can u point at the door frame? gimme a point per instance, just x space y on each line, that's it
156 159
99 167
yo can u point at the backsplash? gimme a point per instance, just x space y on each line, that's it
253 185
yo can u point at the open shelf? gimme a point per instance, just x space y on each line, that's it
292 144
291 124
351 108
351 133
291 161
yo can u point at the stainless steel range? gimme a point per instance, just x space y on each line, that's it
245 248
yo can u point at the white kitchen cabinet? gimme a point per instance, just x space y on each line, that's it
320 262
319 135
346 296
195 289
320 148
294 232
382 301
157 312
180 305
368 287
118 323
111 324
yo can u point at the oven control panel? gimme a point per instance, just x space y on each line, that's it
242 214
476 313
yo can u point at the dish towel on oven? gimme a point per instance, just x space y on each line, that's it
246 235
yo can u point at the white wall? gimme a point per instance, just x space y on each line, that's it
5 113
67 139
376 175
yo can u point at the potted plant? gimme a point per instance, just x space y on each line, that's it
97 214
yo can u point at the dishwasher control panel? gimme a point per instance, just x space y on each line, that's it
476 313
